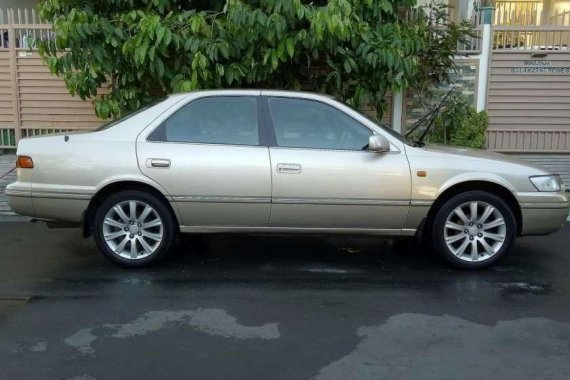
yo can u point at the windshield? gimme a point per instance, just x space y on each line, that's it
384 127
388 130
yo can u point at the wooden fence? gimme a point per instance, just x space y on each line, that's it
528 97
32 100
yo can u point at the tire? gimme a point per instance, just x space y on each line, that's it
492 232
139 241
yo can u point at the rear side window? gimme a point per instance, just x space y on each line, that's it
303 123
216 120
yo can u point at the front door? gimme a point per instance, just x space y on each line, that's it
323 176
208 157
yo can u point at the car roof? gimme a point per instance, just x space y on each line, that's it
254 92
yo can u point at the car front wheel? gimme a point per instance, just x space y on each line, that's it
474 229
133 228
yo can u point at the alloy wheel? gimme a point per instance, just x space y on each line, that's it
133 229
475 231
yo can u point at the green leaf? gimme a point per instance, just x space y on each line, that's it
347 67
160 35
281 49
167 37
188 44
230 76
142 53
203 61
224 50
266 56
159 67
119 33
220 69
291 46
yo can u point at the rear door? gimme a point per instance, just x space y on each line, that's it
323 176
208 156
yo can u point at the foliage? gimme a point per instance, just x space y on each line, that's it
436 60
459 124
356 50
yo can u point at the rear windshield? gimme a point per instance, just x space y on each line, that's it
114 122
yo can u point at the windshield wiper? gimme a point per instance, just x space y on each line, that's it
429 120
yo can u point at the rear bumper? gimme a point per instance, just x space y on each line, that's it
543 213
66 207
19 199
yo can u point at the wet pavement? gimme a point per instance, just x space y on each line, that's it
230 307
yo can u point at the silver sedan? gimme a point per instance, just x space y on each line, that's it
251 161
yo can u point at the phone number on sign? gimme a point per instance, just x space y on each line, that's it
541 70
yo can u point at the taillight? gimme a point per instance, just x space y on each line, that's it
24 162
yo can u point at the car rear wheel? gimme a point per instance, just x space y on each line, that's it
133 228
474 229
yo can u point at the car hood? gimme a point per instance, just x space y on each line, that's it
478 155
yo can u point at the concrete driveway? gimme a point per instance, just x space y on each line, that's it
279 308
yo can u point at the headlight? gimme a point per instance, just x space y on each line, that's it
547 182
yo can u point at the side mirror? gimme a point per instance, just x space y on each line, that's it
378 143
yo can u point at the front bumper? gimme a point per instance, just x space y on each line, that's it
542 212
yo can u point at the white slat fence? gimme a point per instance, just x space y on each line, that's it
32 100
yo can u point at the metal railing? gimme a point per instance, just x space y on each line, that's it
26 26
472 45
560 18
19 16
517 12
531 38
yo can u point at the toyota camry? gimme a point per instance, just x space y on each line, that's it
257 161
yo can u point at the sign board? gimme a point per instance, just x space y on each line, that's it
539 66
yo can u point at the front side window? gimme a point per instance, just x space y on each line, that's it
302 123
215 120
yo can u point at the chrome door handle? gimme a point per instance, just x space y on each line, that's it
158 163
288 168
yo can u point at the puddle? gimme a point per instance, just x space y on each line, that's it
348 250
215 322
522 287
326 270
416 346
28 347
